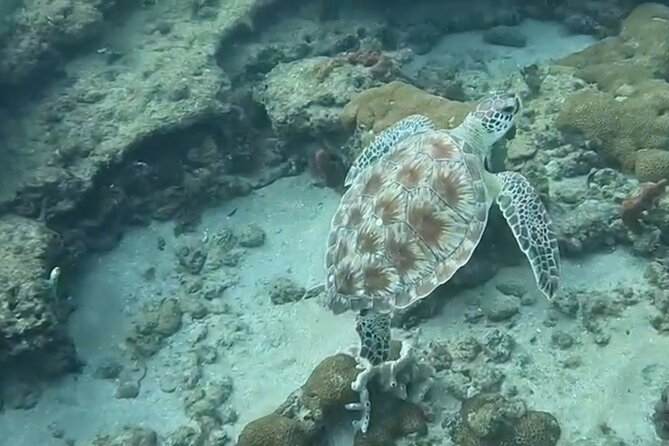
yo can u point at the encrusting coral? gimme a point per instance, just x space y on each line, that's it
631 58
652 165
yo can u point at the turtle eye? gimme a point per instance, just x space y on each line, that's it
509 109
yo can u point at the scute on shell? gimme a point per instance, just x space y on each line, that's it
406 224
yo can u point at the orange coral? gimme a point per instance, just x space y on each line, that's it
380 65
633 207
328 166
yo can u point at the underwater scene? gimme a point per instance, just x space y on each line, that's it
334 223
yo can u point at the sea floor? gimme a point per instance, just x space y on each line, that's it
472 56
616 385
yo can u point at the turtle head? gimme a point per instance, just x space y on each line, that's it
493 117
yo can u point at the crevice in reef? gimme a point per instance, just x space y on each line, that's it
173 176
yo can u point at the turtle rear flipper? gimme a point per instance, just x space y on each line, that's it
532 227
386 141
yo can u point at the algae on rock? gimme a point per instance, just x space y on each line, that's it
118 100
31 311
305 97
57 150
83 136
40 32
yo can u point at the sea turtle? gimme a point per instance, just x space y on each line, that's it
417 206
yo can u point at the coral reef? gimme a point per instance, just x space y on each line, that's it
643 201
627 114
303 418
328 390
122 143
377 108
305 97
130 138
380 378
161 132
108 115
652 165
32 308
492 419
629 59
387 366
274 430
599 17
42 34
622 129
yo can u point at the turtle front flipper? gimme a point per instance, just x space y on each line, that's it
532 227
386 141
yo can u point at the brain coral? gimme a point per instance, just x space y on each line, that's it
652 165
299 419
620 127
629 113
273 430
329 385
489 419
380 107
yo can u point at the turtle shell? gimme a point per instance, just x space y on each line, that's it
406 224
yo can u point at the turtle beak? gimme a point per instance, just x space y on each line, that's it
513 106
